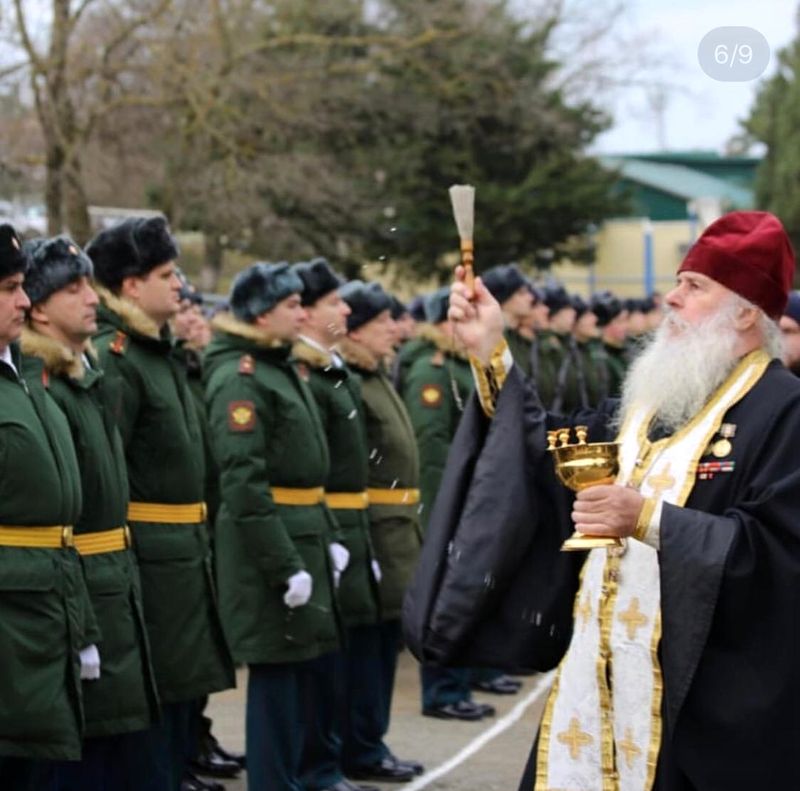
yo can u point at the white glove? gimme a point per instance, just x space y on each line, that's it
90 663
299 591
376 571
340 557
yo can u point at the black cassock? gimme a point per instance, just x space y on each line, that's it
492 588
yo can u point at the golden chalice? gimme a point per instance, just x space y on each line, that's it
579 466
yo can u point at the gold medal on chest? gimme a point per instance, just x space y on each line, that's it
722 448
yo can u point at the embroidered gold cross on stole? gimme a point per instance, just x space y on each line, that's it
632 618
575 738
629 748
661 482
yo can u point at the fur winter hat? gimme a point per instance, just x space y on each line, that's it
606 307
131 248
260 287
556 298
318 279
504 281
437 304
54 263
13 259
366 301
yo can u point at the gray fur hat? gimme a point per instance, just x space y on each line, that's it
366 301
318 279
54 263
13 259
437 304
131 248
260 287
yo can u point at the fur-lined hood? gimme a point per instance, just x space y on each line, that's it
443 342
306 353
132 315
227 322
355 354
58 359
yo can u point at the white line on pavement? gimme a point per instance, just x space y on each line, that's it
541 689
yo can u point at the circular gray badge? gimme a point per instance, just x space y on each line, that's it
733 54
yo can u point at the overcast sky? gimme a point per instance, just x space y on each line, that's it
704 113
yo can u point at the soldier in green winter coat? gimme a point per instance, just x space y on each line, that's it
393 481
61 320
559 353
338 396
274 530
593 357
47 632
134 262
612 319
509 287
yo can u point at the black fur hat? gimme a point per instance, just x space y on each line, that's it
318 279
54 263
131 248
437 304
556 298
606 307
398 308
417 308
503 281
13 259
366 301
580 304
260 287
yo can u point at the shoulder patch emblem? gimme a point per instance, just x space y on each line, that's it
241 415
247 365
119 344
432 396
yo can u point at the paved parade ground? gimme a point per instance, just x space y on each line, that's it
487 755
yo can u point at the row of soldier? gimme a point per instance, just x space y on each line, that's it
287 436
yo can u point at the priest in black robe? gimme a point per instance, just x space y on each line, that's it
678 654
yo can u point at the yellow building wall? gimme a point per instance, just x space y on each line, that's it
620 257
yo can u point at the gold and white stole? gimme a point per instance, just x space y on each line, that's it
602 724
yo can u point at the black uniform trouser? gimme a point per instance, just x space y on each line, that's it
101 767
370 668
25 774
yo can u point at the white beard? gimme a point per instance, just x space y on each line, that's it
676 374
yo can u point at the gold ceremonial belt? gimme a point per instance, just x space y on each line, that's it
393 496
50 537
343 500
168 513
103 541
283 495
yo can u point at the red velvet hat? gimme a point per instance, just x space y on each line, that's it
749 253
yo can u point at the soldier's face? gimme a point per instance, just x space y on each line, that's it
790 334
377 335
13 304
327 317
70 314
586 326
157 293
563 320
286 320
616 331
519 303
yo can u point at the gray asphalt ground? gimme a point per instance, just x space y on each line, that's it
495 765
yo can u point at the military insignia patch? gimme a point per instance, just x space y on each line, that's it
247 365
117 346
431 396
241 415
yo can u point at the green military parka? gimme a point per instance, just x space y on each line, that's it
393 464
45 617
124 698
163 444
266 433
338 395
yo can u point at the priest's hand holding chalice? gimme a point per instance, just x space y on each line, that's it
579 466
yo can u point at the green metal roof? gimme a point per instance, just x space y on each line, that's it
680 181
